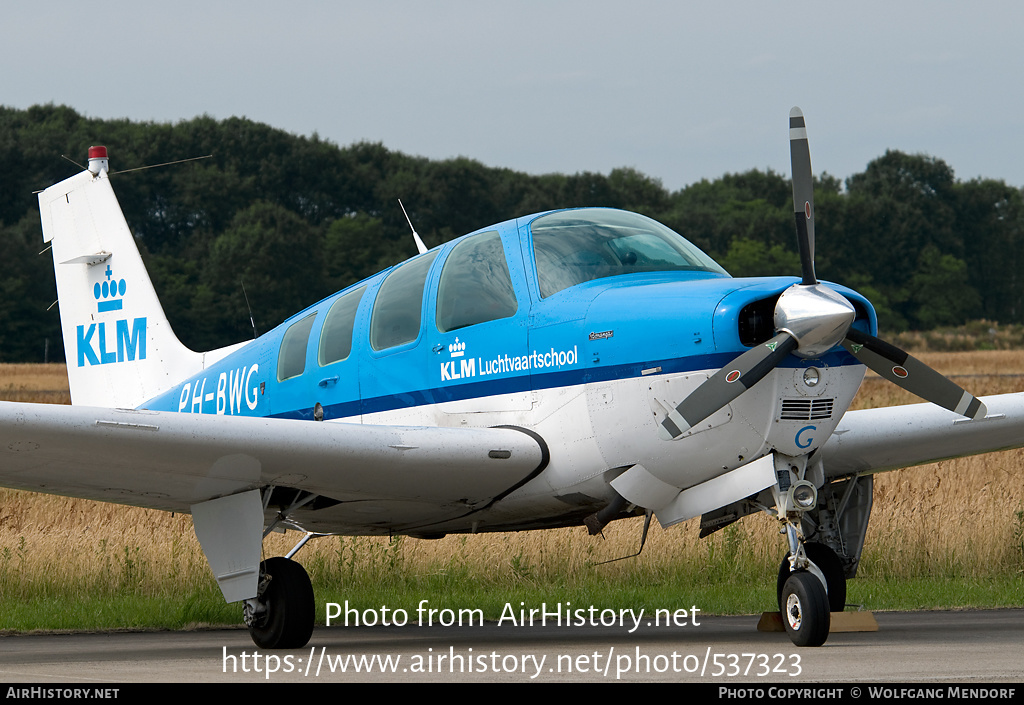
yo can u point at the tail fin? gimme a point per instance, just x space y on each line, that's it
119 347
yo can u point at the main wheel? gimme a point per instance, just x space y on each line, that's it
805 609
831 567
287 620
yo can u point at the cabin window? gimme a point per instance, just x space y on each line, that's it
576 246
336 335
396 311
291 358
475 284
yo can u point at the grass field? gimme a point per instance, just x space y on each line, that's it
944 535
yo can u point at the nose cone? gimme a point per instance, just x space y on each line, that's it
817 316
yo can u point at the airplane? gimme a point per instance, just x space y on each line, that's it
566 368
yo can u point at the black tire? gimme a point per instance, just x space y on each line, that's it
831 567
805 609
288 623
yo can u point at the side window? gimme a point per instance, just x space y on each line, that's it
475 284
396 310
336 336
291 358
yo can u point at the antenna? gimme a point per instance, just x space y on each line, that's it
251 320
415 235
154 166
98 163
64 156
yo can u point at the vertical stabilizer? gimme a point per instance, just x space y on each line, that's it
119 347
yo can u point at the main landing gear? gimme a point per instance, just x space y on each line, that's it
281 615
277 596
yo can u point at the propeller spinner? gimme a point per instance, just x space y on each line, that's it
810 319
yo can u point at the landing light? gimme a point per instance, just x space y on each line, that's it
812 375
804 495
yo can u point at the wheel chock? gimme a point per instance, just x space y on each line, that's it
840 622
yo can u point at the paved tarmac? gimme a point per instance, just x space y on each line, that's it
945 647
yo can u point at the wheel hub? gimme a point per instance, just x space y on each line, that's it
254 613
254 610
793 612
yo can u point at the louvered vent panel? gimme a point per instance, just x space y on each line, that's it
807 409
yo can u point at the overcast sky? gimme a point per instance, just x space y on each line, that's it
678 90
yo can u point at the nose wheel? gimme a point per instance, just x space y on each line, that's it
805 611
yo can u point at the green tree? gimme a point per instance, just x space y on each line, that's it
940 291
754 204
276 256
355 248
901 205
990 218
29 328
754 258
294 218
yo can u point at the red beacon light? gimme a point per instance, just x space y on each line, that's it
98 160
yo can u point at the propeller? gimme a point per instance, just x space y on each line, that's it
803 193
905 370
810 319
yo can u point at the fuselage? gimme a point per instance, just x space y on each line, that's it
585 331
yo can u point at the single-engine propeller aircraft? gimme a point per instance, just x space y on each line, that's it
565 368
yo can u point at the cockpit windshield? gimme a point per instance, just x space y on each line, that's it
576 246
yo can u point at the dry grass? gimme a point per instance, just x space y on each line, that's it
961 517
976 335
38 383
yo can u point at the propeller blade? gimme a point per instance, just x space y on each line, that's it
905 370
803 193
728 383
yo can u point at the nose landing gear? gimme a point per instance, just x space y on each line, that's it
830 566
811 581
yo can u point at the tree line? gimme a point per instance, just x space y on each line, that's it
273 222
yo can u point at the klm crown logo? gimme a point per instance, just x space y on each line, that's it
110 289
129 340
466 367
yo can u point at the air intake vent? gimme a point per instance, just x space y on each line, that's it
807 409
757 322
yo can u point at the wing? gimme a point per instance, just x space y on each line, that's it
368 478
875 440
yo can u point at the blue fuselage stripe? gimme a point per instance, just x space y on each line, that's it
526 382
